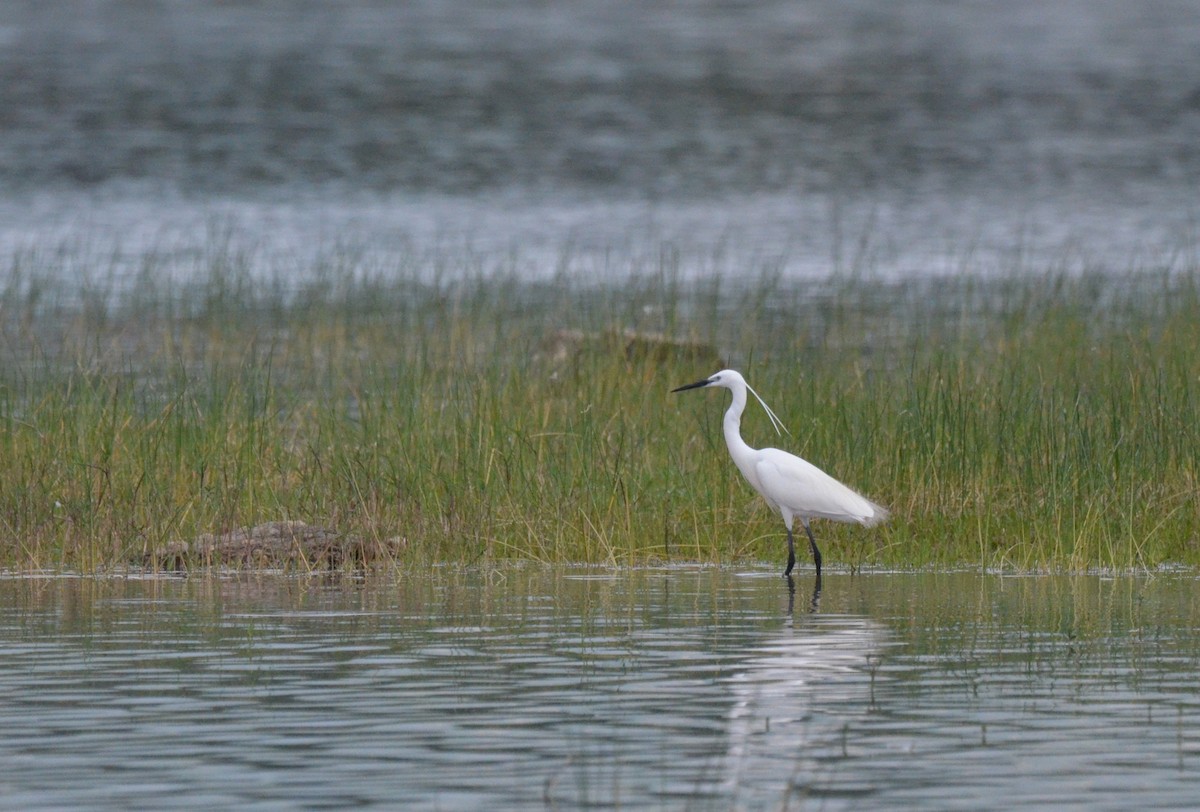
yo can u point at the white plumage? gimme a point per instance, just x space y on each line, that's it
794 487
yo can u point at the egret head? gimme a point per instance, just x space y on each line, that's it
728 378
732 380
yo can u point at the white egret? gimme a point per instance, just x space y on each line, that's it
792 486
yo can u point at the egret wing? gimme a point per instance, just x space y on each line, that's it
810 492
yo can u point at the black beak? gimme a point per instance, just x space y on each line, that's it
695 385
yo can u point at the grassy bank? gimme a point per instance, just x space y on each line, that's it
1029 422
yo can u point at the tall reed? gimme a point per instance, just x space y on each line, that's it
1028 422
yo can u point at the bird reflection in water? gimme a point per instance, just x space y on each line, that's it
814 603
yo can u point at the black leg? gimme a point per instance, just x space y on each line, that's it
812 543
791 554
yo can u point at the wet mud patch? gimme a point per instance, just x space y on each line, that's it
281 544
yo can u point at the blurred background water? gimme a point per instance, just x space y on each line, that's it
827 136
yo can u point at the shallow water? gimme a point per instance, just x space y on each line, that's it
573 688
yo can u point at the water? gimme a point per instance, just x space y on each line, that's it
834 136
678 688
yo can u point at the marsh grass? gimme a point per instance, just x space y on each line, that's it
1028 422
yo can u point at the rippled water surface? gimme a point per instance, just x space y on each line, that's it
563 689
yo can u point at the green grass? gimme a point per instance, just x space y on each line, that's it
1029 422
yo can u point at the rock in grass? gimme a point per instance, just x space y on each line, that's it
287 544
564 347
